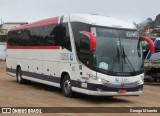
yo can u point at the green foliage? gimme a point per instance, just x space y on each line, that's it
157 21
153 24
3 38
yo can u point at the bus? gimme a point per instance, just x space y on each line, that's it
84 53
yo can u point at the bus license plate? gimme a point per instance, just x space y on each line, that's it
122 91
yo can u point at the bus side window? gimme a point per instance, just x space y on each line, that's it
48 37
61 36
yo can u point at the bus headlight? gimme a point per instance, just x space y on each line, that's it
104 82
141 81
99 80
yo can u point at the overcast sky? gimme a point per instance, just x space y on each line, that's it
33 10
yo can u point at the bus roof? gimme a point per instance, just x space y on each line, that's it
38 23
101 21
85 18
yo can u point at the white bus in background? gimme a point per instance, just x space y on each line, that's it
90 54
3 39
2 50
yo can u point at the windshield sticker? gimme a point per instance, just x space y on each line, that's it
71 56
93 30
117 80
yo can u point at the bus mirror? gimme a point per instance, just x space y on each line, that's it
151 44
85 50
92 39
84 45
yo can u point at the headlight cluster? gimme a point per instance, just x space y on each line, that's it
98 79
141 81
105 82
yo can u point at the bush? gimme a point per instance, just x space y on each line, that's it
3 38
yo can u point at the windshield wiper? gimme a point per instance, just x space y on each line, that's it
117 58
125 57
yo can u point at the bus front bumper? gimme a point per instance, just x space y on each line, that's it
98 93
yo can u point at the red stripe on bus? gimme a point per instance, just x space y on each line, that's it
45 22
33 47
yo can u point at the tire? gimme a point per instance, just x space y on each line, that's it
19 76
158 79
67 87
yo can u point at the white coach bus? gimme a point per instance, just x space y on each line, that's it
90 54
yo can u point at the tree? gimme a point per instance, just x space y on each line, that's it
157 21
149 19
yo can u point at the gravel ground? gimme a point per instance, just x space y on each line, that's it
39 95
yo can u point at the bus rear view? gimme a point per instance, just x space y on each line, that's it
99 56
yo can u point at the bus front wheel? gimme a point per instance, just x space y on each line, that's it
66 86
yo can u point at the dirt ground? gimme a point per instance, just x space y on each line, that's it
32 94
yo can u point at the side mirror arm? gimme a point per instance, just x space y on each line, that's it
151 44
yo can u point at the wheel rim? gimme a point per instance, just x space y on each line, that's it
67 86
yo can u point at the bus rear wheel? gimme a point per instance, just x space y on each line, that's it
19 76
67 87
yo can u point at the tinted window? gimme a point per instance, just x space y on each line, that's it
14 38
52 35
76 28
41 36
61 36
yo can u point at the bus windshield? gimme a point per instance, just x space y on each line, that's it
117 50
